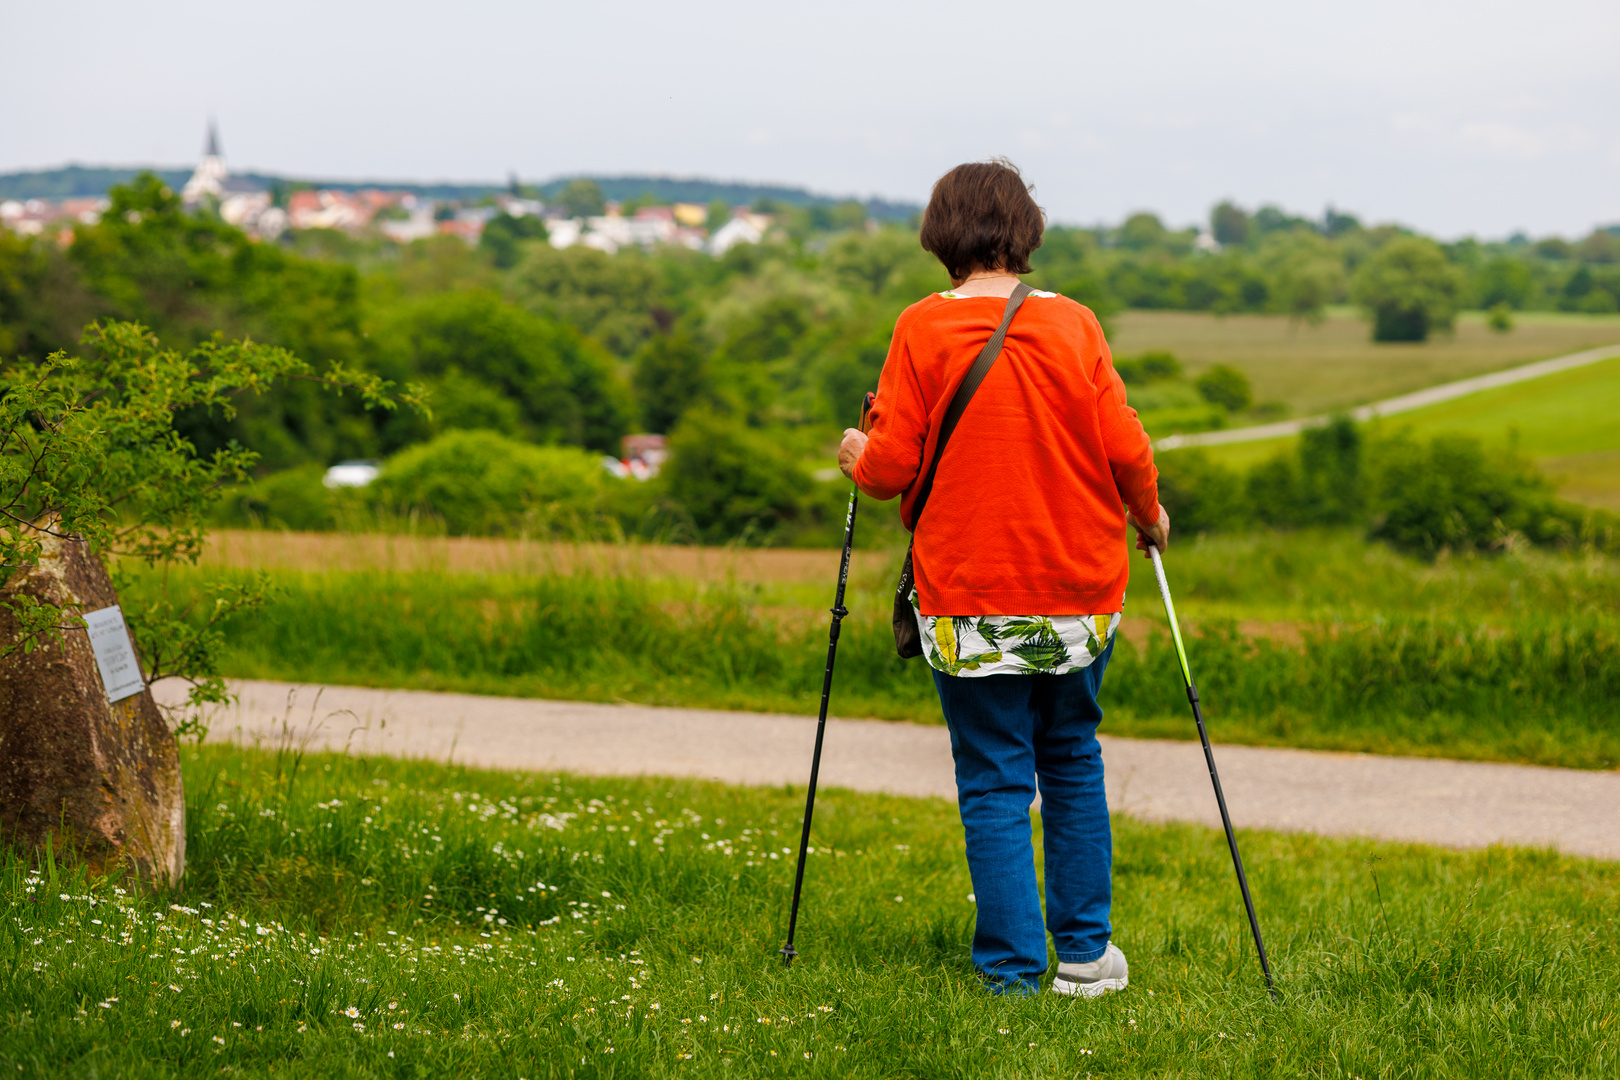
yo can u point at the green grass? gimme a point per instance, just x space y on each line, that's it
376 918
1314 640
1566 422
1335 365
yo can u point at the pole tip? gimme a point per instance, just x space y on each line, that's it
788 953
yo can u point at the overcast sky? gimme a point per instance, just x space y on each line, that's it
1480 117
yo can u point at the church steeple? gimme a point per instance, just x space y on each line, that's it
208 181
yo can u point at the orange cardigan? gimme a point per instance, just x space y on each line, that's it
1025 517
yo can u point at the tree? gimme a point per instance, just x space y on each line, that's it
1409 289
189 277
1229 223
581 198
503 237
90 453
1142 231
733 481
607 297
671 375
564 387
1225 386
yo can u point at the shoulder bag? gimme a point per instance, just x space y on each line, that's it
907 636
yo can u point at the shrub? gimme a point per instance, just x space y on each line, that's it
481 482
1451 494
1155 366
291 499
1199 494
1225 386
733 481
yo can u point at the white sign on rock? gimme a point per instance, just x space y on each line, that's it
115 656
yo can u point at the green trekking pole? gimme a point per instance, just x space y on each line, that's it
1209 759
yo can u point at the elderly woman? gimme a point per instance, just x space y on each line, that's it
1020 566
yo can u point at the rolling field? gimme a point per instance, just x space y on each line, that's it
374 918
1569 423
1335 365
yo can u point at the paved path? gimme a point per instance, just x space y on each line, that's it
1451 803
1390 406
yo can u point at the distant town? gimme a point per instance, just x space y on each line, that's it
268 210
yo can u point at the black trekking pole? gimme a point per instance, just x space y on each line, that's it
838 612
1209 759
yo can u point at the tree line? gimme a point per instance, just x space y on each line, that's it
754 358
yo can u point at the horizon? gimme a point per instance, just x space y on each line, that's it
1201 224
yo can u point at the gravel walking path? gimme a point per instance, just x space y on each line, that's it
1450 803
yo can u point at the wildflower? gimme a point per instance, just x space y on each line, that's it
174 1023
399 1027
1003 1031
173 987
393 1005
351 1012
656 1006
220 1039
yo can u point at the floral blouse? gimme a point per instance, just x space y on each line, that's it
974 645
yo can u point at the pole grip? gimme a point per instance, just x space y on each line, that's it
866 411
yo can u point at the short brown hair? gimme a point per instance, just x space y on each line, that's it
981 216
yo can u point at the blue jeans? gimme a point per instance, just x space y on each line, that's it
1007 732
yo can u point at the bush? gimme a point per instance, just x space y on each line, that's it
1225 386
481 482
291 499
734 481
1451 494
1155 366
1200 495
1320 483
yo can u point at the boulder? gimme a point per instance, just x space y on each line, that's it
100 777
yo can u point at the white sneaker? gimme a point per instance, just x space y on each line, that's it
1108 972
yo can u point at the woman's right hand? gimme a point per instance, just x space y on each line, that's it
850 450
1158 535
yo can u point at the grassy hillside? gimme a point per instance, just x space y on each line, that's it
1567 422
1335 365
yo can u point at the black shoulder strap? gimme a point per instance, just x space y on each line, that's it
964 394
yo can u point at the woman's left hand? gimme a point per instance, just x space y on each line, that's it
850 450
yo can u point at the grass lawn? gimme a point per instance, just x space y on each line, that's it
378 918
1336 365
1566 422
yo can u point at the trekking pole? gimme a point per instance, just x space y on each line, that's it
838 612
1209 759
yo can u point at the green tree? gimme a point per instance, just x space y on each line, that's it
1225 386
719 214
89 452
611 298
1142 231
671 375
1306 274
581 198
1503 280
1409 289
189 277
565 388
735 482
504 237
1229 223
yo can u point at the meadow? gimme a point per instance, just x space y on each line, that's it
1564 422
374 918
1309 369
1313 639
